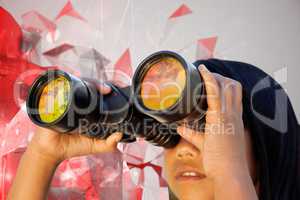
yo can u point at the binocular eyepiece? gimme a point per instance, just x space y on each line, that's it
166 91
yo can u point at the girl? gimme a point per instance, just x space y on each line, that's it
249 148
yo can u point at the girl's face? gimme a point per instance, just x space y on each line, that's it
185 174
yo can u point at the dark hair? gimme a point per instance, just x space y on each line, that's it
268 114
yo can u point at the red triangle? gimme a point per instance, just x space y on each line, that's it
69 10
49 25
208 43
123 66
181 11
124 63
58 50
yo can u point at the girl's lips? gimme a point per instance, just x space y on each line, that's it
189 175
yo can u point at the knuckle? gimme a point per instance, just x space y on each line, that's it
239 91
93 148
238 85
228 87
227 80
217 75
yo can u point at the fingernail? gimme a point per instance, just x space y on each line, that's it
106 85
179 129
117 136
104 88
202 67
183 131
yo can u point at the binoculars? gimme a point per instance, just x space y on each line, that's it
166 91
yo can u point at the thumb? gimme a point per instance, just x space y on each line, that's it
192 136
113 139
109 144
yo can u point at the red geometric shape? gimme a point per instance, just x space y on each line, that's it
123 69
58 50
55 54
17 132
96 68
8 169
33 21
181 11
10 35
10 72
209 43
124 63
30 46
12 66
206 47
69 10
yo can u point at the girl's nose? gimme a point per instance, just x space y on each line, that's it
185 150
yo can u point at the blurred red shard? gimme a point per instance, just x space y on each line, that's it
181 11
68 10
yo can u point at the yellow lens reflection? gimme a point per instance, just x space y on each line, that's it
163 84
54 99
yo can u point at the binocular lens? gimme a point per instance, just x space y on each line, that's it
54 99
163 83
169 89
166 92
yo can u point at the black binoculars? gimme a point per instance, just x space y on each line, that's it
166 91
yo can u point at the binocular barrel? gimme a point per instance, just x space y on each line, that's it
166 92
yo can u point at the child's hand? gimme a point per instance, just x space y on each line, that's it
58 146
222 144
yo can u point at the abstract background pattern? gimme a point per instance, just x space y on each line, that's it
106 40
